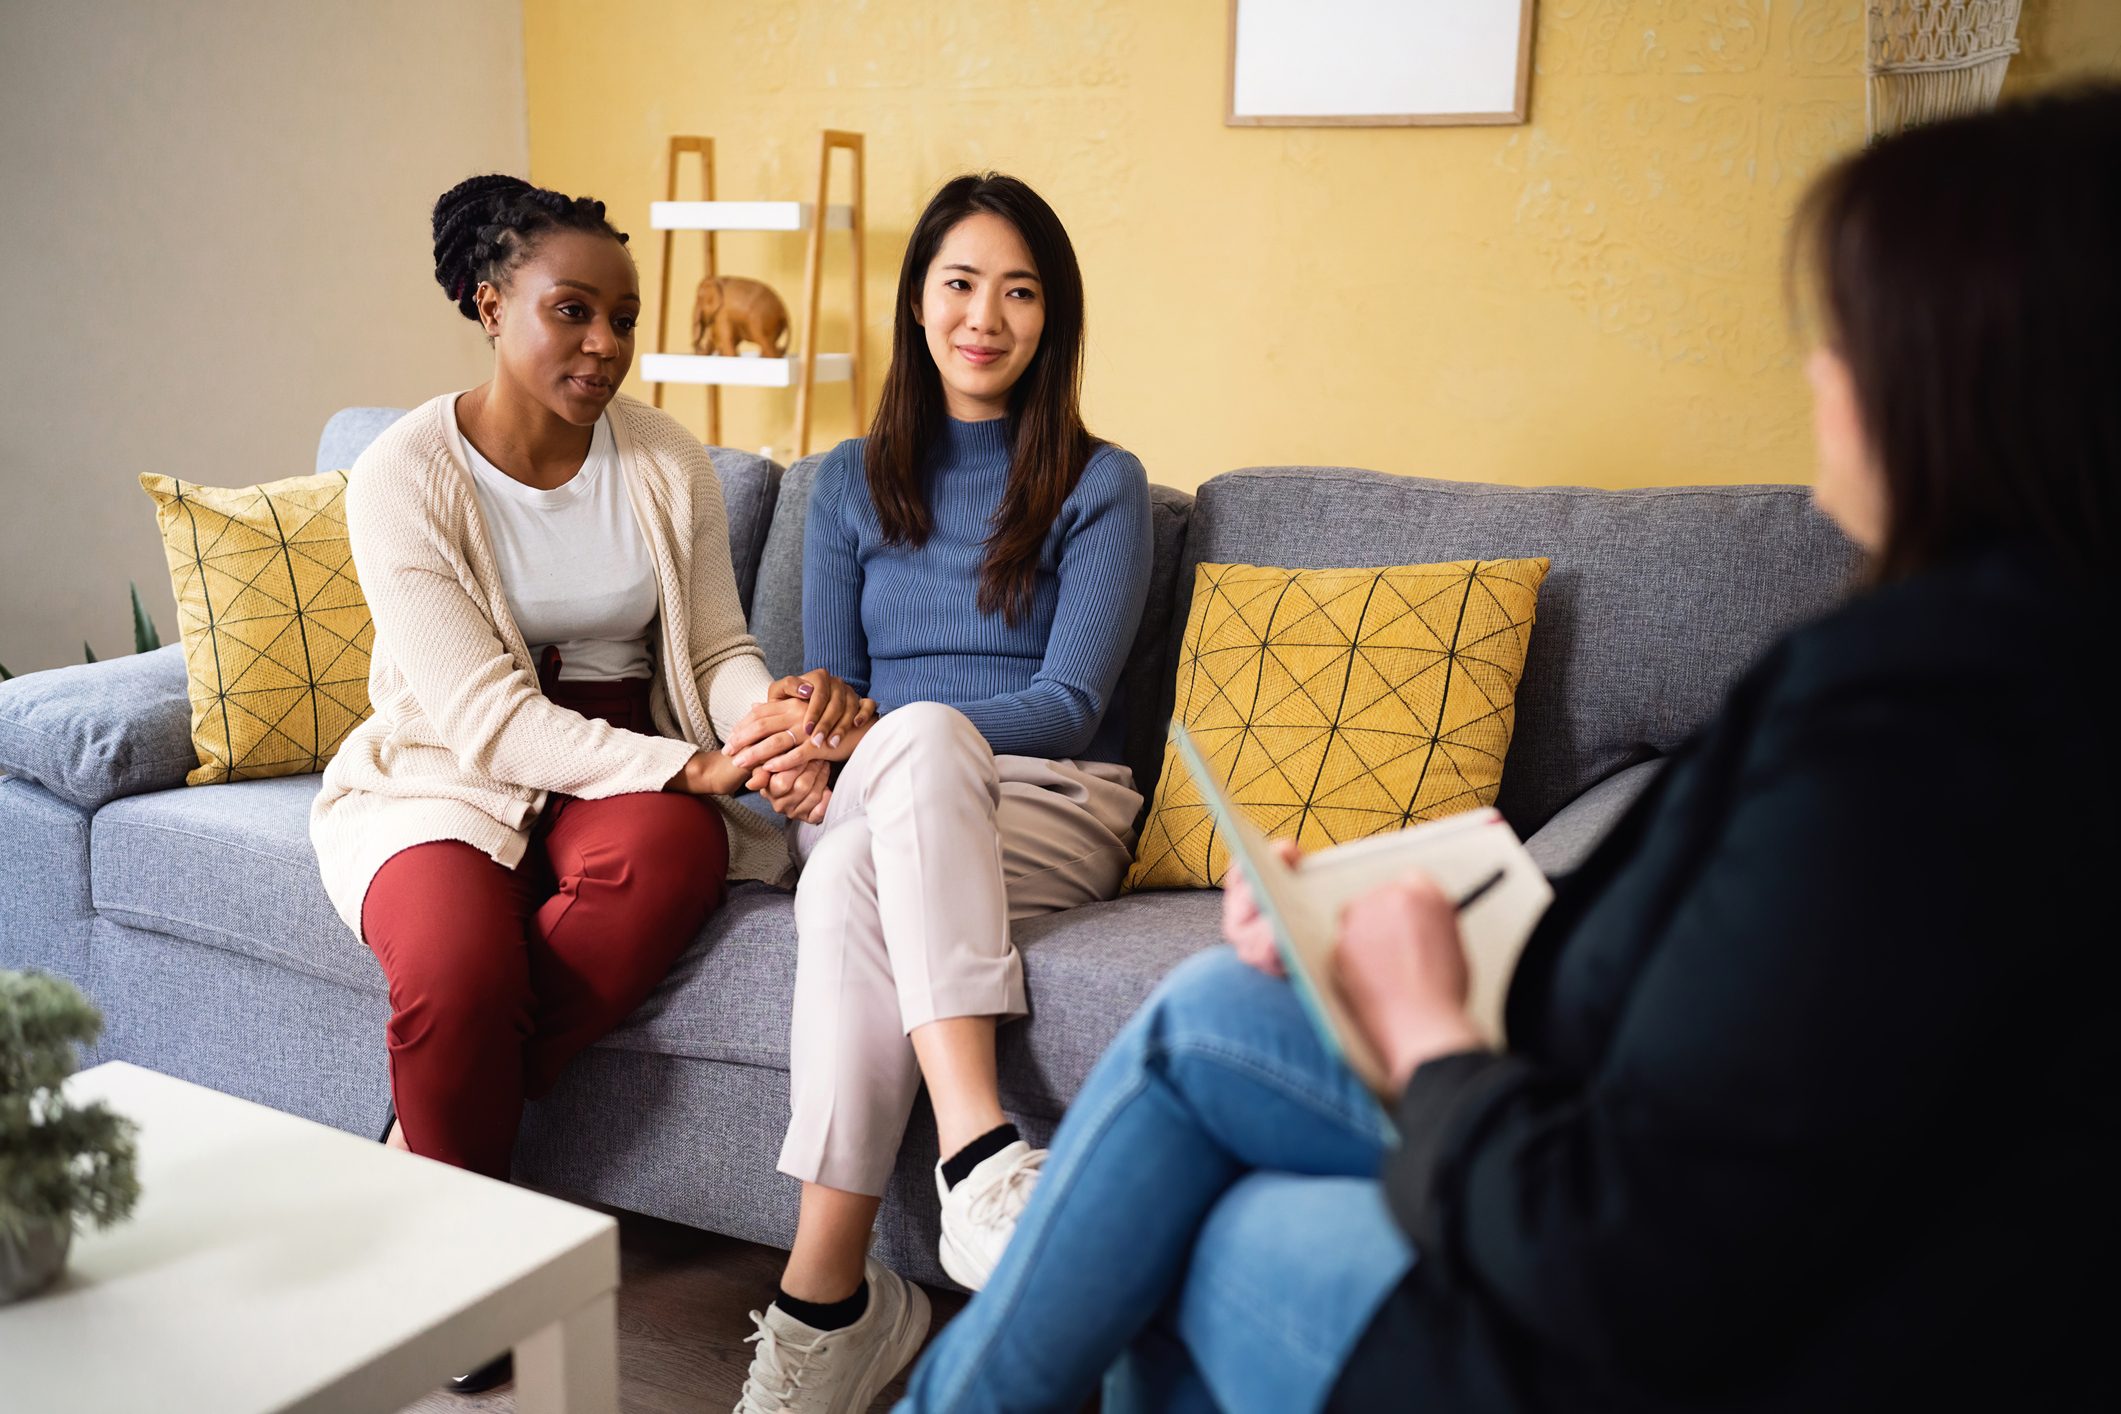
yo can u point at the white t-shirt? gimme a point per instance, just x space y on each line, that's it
574 563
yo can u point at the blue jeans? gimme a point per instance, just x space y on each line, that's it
1209 1227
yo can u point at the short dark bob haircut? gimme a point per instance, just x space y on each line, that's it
1969 273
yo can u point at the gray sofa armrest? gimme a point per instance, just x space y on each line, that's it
1568 839
100 731
44 901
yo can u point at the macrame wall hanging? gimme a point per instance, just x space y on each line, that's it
1931 59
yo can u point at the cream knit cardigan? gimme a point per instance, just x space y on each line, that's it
462 745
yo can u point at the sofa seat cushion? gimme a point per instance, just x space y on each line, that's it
229 866
1086 971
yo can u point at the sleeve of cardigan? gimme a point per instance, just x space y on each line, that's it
726 661
1104 582
833 638
1837 986
485 709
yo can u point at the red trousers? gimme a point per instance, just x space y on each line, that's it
499 977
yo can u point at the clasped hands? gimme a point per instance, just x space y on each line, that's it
785 746
1399 964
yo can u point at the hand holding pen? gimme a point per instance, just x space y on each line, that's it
1401 967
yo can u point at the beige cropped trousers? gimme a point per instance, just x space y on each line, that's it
932 845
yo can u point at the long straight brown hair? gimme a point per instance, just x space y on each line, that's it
1050 445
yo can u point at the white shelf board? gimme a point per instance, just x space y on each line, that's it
744 216
742 372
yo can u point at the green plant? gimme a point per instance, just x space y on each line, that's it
145 638
59 1162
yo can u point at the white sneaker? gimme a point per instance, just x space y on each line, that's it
798 1369
979 1215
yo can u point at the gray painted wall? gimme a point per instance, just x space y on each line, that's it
214 222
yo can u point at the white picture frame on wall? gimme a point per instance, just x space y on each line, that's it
1378 63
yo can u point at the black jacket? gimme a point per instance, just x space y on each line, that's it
1812 1077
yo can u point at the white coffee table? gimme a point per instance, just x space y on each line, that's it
275 1264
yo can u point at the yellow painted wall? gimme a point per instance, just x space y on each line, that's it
1592 297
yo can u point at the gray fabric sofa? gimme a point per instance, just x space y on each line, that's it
196 920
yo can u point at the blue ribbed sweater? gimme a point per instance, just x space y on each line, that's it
903 625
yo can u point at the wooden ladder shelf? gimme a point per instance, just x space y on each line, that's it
805 366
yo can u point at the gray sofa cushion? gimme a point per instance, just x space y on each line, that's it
777 597
750 486
1086 970
348 434
1565 841
231 867
44 907
1657 599
93 733
253 1029
1144 682
1143 693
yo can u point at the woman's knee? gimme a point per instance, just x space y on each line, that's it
1331 1225
1215 1005
1312 1254
687 865
463 972
1207 988
839 876
841 961
446 923
928 732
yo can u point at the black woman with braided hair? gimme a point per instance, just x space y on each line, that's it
538 817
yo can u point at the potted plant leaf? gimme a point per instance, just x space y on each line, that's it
60 1164
146 638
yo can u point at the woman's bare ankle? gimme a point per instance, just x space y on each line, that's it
826 1262
397 1137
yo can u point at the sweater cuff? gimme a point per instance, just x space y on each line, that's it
733 687
1441 1110
657 761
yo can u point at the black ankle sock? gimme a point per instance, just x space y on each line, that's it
959 1166
829 1315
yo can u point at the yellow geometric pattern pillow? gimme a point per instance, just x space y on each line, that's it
276 633
1340 703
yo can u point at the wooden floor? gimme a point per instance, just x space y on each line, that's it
684 1299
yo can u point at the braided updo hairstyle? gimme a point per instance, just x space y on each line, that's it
484 226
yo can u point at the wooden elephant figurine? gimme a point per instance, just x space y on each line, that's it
732 310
